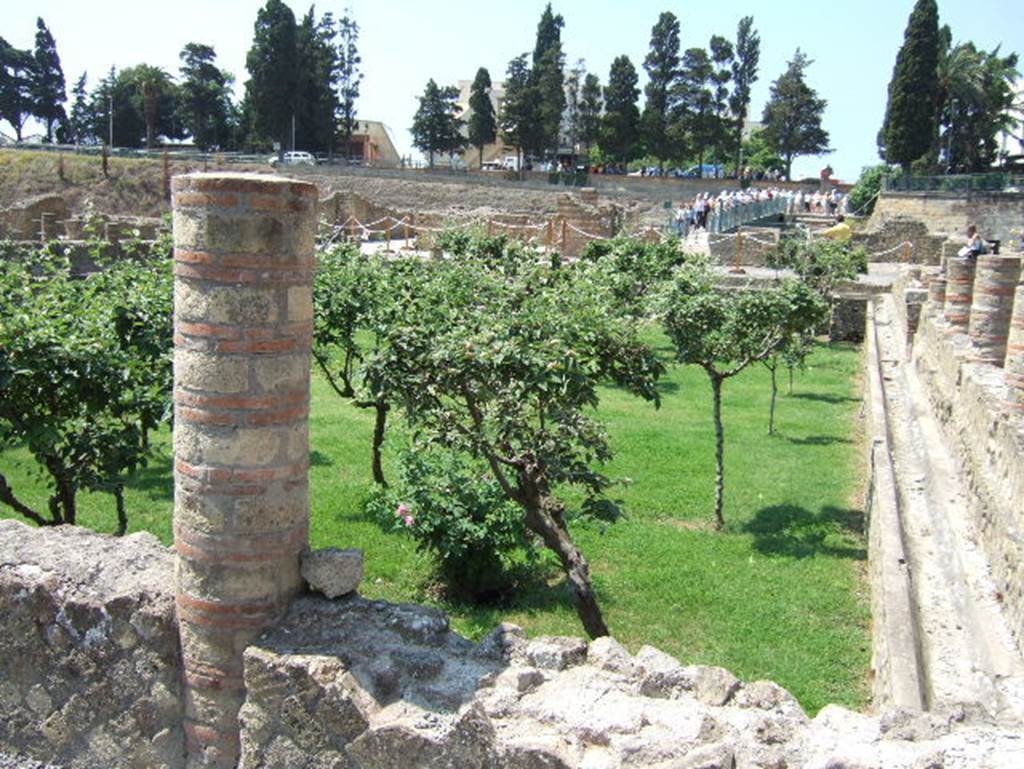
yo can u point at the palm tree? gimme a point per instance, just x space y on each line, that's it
151 84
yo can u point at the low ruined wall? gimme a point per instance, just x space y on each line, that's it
90 671
89 677
754 250
884 239
969 399
995 213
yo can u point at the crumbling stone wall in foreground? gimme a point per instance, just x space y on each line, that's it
89 677
90 667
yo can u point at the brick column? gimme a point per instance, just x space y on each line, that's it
994 283
243 326
959 291
1014 364
937 294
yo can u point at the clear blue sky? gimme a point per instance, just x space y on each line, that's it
404 42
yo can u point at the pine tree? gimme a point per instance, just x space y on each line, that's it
15 86
620 129
662 65
349 77
695 102
722 57
591 106
573 99
316 101
518 111
744 75
483 126
47 83
272 63
911 122
205 96
547 80
435 126
81 121
792 116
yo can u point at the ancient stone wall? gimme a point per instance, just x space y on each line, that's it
31 218
995 213
970 400
90 668
884 239
753 245
89 677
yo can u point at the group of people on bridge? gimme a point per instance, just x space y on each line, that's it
695 215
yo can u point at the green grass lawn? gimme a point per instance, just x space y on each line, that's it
779 594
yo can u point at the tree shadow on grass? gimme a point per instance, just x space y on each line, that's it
824 398
817 440
793 531
319 459
156 479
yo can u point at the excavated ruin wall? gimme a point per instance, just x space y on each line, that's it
969 398
90 676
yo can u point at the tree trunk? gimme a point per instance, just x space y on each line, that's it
431 159
775 392
378 441
545 518
481 148
122 514
716 389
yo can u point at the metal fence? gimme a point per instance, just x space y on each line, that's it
990 182
730 218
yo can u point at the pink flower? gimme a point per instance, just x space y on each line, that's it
409 520
402 510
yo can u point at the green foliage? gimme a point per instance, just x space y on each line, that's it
435 126
47 83
744 72
632 270
16 68
909 128
349 76
620 126
483 125
591 105
547 82
205 96
316 98
822 263
456 510
695 102
85 373
518 113
661 63
864 195
792 116
272 63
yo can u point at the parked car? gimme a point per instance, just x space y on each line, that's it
293 159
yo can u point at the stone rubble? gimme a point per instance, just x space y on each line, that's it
332 571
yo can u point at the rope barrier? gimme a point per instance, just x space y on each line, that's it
895 248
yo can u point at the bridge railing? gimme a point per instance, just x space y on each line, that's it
726 219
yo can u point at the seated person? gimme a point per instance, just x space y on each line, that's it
839 232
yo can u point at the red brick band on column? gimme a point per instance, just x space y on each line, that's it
937 294
959 290
1013 367
995 282
243 326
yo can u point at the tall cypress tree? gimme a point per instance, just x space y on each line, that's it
518 112
81 121
696 101
620 134
547 80
316 101
272 65
744 75
591 105
662 65
349 77
47 83
483 127
911 123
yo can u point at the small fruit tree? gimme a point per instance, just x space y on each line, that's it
725 331
501 360
85 374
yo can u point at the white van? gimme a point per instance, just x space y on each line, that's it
293 159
